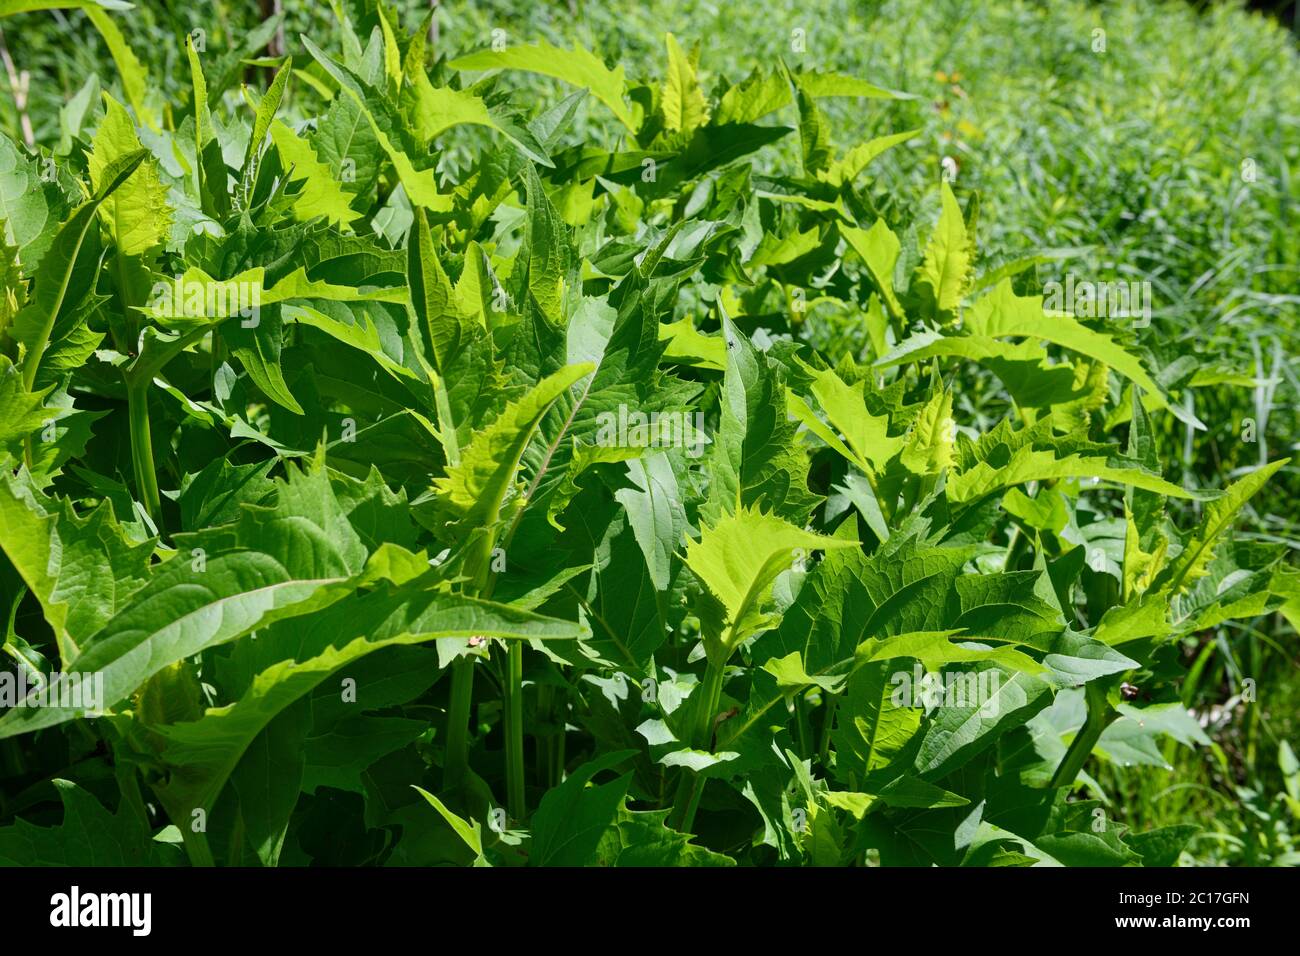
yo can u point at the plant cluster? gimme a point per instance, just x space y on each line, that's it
408 479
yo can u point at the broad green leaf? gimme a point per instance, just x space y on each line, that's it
878 248
469 831
82 568
321 194
1193 560
756 459
823 84
871 729
759 95
265 115
548 251
1003 313
138 215
67 272
738 559
814 133
684 104
21 412
1006 458
10 7
135 79
572 818
958 733
869 446
655 512
848 168
432 297
949 257
685 344
578 67
420 184
277 562
88 836
928 450
643 838
297 656
475 490
31 205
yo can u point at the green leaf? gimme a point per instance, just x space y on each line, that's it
138 214
321 193
756 459
21 412
475 490
88 836
10 7
1002 313
83 569
295 657
738 559
871 730
135 79
1016 460
929 444
421 184
958 733
572 818
814 133
578 67
258 347
869 446
848 168
949 257
759 95
548 251
67 271
470 832
1192 562
824 84
284 561
683 101
655 512
878 248
643 838
1162 846
31 205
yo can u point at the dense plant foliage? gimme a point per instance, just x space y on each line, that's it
428 474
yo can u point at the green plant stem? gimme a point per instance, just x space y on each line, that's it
146 478
514 728
697 791
456 764
801 723
550 735
711 689
886 512
196 845
824 749
691 786
1015 549
1100 716
557 761
218 354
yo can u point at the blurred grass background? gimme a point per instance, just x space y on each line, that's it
1155 141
